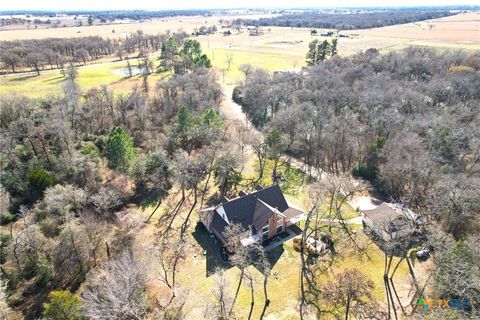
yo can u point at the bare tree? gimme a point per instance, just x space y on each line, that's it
260 261
246 69
241 255
223 297
170 250
5 311
116 290
351 290
71 255
229 59
128 225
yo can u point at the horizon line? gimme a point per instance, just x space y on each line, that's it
475 7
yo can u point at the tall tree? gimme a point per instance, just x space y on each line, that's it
351 293
193 51
120 149
116 290
275 147
62 305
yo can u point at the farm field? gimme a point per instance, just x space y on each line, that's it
277 48
123 28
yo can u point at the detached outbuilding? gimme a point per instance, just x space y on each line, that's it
390 221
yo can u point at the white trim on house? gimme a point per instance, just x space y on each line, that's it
222 214
296 219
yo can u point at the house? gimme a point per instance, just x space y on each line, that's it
390 221
254 30
326 33
262 213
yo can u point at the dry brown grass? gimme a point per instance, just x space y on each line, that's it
459 30
154 26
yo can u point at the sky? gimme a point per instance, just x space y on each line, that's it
208 4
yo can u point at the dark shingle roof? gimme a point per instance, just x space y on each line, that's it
258 187
262 213
218 224
273 196
255 208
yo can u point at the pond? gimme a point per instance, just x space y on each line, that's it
125 73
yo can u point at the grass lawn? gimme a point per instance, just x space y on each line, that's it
294 179
259 59
49 83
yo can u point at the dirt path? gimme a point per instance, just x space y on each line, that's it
232 111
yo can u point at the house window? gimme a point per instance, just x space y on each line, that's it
265 233
279 229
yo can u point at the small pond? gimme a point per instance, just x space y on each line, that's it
125 73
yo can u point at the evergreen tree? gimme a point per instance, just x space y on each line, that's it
120 149
193 51
323 51
275 147
333 47
183 126
319 51
312 53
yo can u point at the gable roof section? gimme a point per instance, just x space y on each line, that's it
256 208
262 213
240 210
218 225
273 196
383 214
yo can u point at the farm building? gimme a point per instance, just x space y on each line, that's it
390 221
254 31
263 214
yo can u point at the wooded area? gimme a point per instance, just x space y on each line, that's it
405 120
348 21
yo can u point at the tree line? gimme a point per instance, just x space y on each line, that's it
59 52
347 20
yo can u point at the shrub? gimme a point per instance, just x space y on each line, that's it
50 227
89 148
44 272
62 305
365 172
40 179
4 238
6 217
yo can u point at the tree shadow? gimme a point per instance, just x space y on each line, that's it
55 80
22 78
